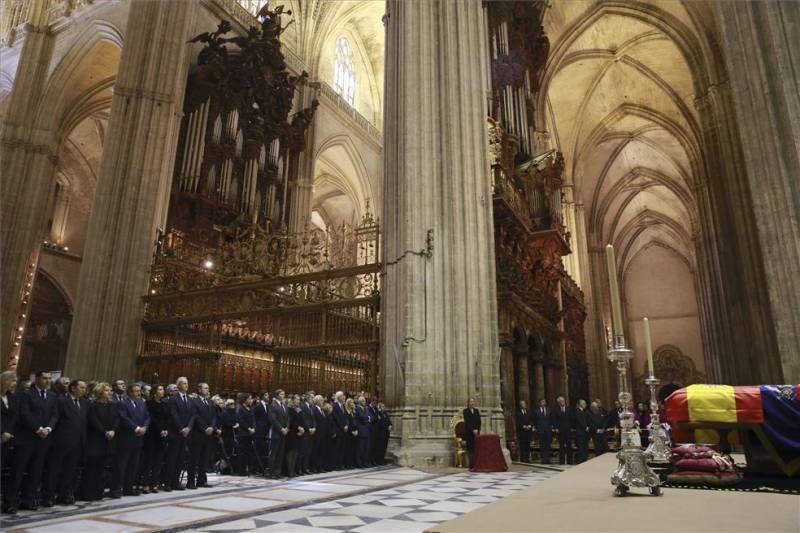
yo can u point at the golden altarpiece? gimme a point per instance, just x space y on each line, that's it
540 308
235 300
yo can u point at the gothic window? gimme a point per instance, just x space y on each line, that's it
344 72
253 6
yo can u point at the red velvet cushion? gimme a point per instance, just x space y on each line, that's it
716 464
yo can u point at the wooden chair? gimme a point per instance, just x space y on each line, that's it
457 428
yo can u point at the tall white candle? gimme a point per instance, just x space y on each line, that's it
616 305
648 346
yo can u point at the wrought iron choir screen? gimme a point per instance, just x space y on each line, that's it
235 300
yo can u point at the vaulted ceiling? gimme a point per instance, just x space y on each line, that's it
619 105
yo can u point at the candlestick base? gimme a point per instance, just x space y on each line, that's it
659 447
632 469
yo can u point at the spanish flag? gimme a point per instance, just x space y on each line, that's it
714 403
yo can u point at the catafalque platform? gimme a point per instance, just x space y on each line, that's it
581 499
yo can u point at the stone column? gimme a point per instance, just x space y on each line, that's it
523 379
440 339
28 160
759 41
538 378
133 188
601 383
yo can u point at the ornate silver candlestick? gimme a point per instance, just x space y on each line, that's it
632 469
659 447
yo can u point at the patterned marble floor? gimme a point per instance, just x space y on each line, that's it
386 499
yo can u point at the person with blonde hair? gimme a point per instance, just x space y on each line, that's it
9 414
351 438
101 433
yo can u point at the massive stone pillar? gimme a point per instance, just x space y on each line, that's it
27 159
301 189
440 338
133 188
759 40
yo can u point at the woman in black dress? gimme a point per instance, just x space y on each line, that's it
101 434
472 425
294 439
9 413
155 440
229 423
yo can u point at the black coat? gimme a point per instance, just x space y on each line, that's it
309 420
339 419
35 412
247 420
102 417
205 416
472 421
597 421
261 414
293 440
181 414
322 422
9 415
159 419
363 420
562 421
71 430
227 419
130 417
278 419
524 420
580 422
542 421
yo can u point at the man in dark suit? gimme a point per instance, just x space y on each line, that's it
66 450
375 433
180 425
472 426
544 430
119 387
279 428
363 421
524 430
580 423
307 466
321 440
38 418
261 436
562 423
597 427
133 422
340 431
201 438
9 414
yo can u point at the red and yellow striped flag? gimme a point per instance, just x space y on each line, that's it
715 403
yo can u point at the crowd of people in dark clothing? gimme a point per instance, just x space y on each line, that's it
65 440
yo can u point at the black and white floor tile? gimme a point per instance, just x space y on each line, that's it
386 500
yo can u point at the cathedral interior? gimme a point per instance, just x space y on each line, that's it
407 198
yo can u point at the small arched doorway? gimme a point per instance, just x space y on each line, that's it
47 335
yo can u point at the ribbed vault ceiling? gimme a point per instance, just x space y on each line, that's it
620 107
